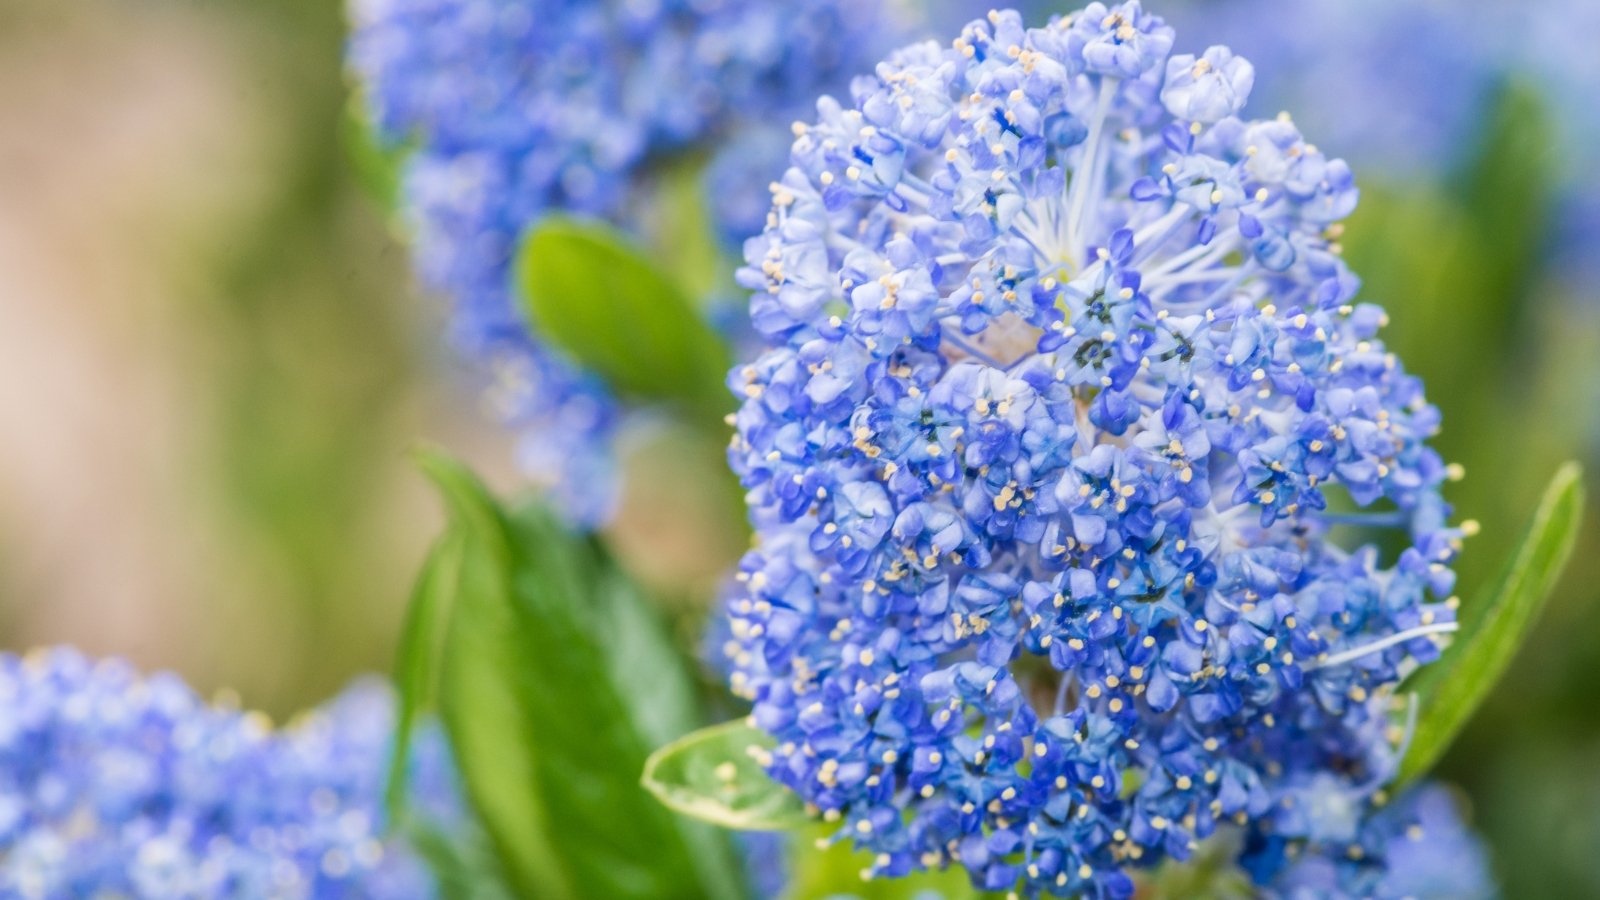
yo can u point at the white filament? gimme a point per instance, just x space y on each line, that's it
1383 644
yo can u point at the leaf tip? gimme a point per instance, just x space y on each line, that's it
1570 475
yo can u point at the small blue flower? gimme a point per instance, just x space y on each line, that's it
113 784
1122 41
1208 89
1063 376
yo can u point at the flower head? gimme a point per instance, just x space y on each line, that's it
113 784
517 109
1066 414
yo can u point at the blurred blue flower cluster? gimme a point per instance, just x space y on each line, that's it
1067 400
1416 847
509 111
112 784
1403 88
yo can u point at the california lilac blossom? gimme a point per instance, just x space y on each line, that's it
519 108
114 784
1066 397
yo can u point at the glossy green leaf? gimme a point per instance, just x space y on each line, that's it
598 299
713 775
1495 624
417 660
556 681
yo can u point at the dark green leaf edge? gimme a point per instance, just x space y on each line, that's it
515 826
1450 690
417 662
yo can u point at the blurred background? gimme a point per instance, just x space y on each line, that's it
213 361
210 367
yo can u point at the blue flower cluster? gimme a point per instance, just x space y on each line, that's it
1066 457
1416 847
513 109
117 785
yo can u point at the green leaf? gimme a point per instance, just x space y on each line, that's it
462 863
681 232
1494 625
712 775
603 303
377 166
1455 264
1212 872
556 679
417 661
1508 185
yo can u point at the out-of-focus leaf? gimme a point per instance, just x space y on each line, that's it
480 687
376 166
682 235
556 681
1455 265
1417 255
713 775
1494 626
417 659
1507 187
598 299
463 865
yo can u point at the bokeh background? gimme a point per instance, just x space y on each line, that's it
213 364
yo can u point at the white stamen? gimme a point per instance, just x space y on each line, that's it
1383 644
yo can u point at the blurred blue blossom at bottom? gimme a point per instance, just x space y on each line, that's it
116 784
1416 847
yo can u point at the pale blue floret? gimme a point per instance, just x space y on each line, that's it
1064 381
1208 89
113 784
